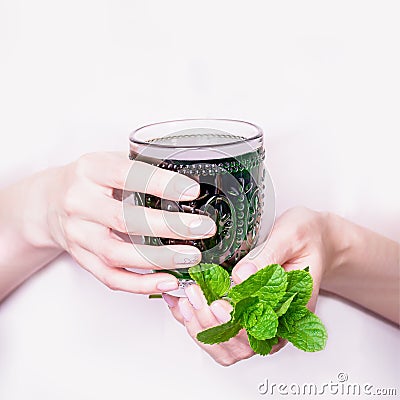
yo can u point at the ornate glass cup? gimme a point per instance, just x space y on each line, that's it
226 157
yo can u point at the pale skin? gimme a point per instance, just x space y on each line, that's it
73 208
344 258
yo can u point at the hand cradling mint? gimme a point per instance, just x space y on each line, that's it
269 304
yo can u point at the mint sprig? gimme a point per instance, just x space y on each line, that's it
269 304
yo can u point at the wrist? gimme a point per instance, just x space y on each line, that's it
36 225
341 239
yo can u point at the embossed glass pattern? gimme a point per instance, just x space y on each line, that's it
227 158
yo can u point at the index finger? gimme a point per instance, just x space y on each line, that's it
116 170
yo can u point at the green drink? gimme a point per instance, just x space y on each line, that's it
230 170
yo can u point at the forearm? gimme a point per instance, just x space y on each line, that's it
25 245
366 270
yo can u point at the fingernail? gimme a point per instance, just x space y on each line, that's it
189 257
245 270
220 312
186 309
202 227
188 189
172 301
195 297
166 286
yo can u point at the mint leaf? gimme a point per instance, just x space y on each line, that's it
219 333
268 284
262 347
242 308
266 324
213 280
224 332
300 282
252 314
283 306
293 314
308 333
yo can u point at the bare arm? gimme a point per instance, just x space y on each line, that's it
24 248
366 268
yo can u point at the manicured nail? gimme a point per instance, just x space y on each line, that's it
172 301
188 189
195 297
220 312
191 256
186 309
245 270
166 286
202 227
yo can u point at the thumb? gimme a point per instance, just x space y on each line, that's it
275 250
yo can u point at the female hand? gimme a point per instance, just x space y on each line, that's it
84 218
299 238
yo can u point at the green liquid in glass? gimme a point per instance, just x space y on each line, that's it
231 193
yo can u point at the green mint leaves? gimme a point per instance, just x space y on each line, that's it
306 333
284 305
300 282
268 285
266 323
262 347
269 304
213 280
219 333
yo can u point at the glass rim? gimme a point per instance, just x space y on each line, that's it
257 135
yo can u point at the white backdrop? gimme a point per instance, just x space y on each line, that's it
321 78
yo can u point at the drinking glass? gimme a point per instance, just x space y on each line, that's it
226 157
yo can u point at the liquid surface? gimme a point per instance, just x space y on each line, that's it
197 137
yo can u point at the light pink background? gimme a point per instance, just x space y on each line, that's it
321 78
